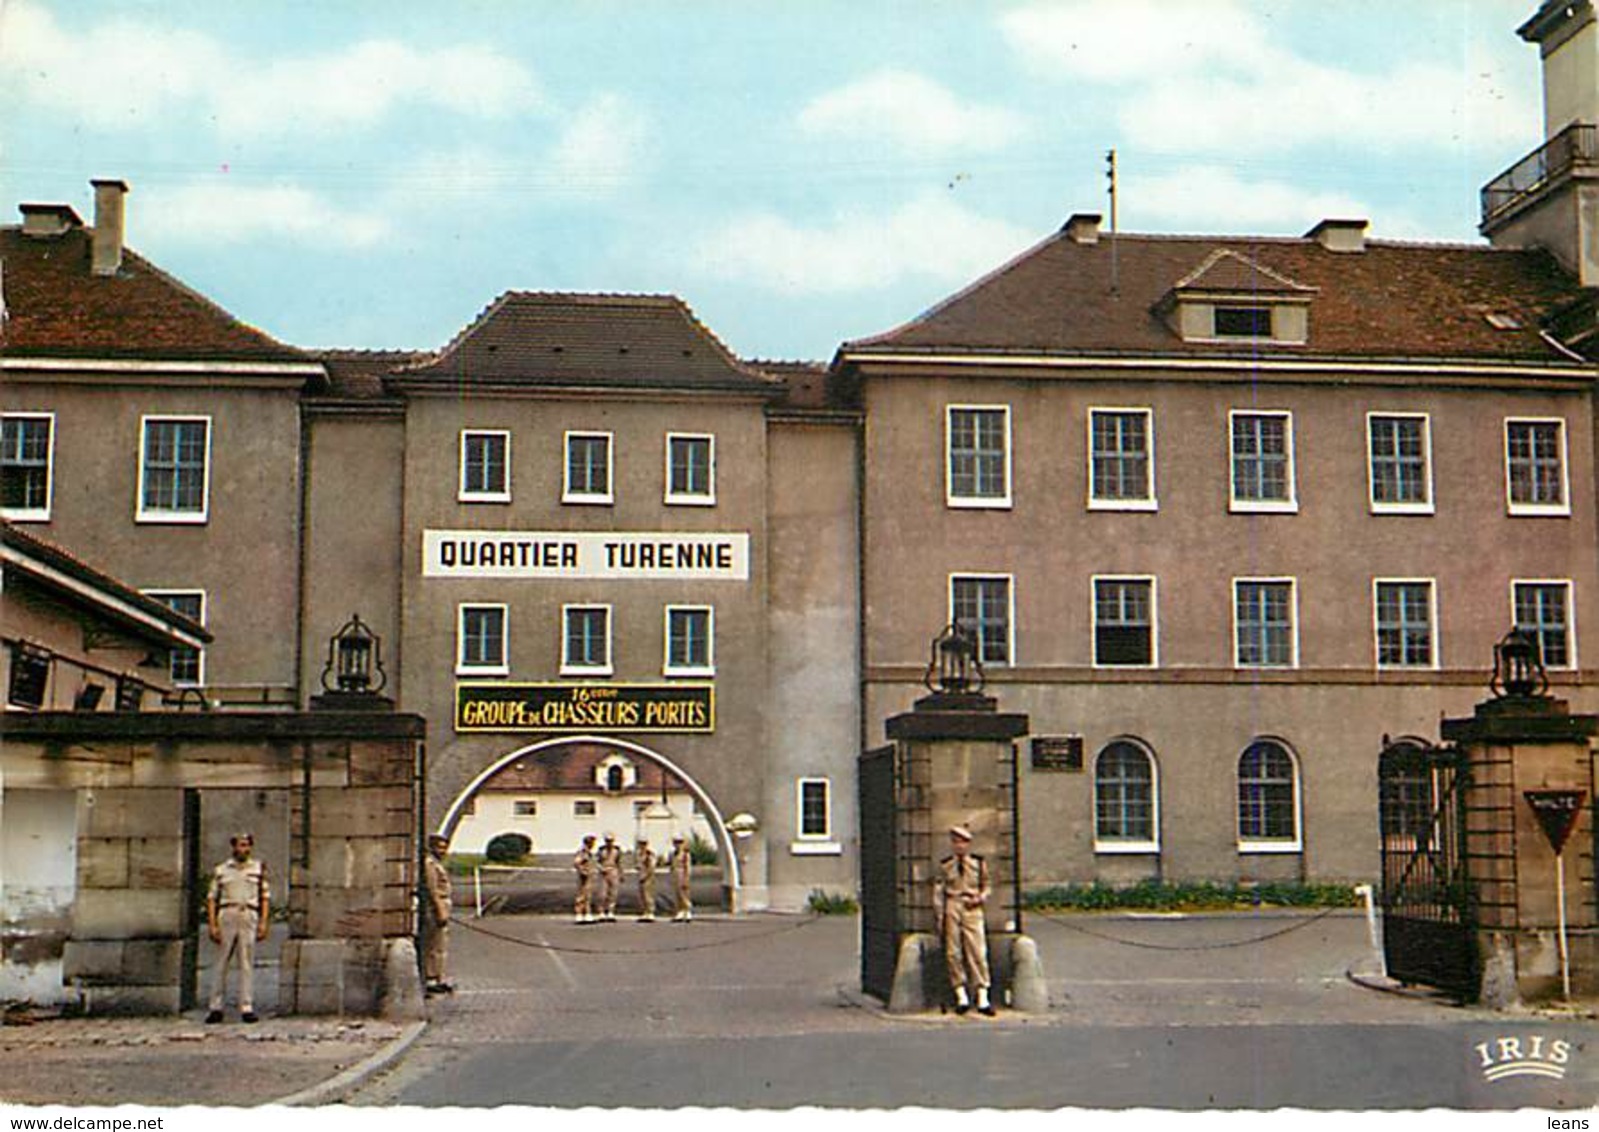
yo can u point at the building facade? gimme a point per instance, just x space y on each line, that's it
1223 513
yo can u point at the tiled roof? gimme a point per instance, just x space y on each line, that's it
1226 270
590 340
56 307
36 549
1391 300
359 374
570 766
805 383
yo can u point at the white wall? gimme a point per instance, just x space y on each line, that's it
556 830
38 880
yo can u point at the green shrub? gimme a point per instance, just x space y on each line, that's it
1152 895
508 848
832 904
701 851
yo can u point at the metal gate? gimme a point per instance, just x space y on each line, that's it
1429 923
879 880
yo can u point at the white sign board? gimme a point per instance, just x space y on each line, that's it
586 554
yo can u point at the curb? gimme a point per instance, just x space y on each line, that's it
336 1088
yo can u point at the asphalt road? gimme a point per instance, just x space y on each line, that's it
761 1012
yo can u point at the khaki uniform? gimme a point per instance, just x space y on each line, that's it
610 861
645 859
435 919
681 865
239 891
958 894
583 863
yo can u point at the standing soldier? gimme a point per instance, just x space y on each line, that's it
644 857
610 860
435 915
681 865
237 914
959 893
583 910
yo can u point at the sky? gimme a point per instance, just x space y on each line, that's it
353 174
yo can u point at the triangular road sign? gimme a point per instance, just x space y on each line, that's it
1557 811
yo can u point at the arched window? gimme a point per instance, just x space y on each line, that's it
613 778
1268 798
1125 812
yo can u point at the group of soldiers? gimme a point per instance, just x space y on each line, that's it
238 906
604 865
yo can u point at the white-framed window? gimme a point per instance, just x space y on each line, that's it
1121 460
1265 623
984 605
977 455
525 808
691 469
1542 608
1268 799
588 468
1399 463
1405 613
174 469
690 640
27 457
813 819
185 664
1126 628
1262 461
585 640
485 466
1126 799
1536 482
482 640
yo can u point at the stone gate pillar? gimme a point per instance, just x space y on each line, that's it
1522 741
954 763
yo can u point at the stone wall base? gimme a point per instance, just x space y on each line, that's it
372 977
920 981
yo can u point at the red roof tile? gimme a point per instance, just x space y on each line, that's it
570 766
1391 300
56 307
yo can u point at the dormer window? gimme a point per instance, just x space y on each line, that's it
1242 322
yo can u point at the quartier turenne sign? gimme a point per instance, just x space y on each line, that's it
585 707
586 554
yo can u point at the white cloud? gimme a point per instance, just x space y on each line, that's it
1212 199
601 147
928 238
123 72
910 111
1206 77
219 212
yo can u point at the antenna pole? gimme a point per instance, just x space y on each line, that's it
1110 177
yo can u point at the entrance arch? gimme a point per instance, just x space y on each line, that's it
732 877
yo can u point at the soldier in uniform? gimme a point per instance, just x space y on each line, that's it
583 909
238 907
644 859
610 862
681 865
959 893
435 915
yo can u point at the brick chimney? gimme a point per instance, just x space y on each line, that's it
106 256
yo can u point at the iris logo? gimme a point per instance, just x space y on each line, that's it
1532 1055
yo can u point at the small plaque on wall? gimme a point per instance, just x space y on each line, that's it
1057 752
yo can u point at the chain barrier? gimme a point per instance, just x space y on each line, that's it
539 945
1322 915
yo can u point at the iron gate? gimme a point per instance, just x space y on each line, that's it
1429 921
879 879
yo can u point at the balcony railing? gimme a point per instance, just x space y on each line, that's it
1577 144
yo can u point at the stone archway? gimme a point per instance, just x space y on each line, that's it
732 877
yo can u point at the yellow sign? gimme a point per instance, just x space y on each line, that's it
585 707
